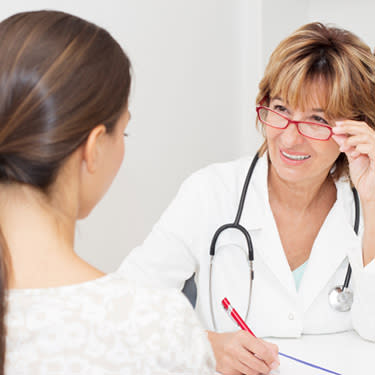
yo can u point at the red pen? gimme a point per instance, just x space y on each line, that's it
234 314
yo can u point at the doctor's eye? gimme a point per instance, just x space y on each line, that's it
316 118
279 108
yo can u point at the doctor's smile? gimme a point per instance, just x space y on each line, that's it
292 158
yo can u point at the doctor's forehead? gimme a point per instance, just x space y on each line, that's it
313 94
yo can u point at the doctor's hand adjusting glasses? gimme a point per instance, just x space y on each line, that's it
357 140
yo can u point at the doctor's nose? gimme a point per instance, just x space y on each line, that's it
291 135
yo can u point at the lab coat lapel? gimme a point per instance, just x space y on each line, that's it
330 248
258 219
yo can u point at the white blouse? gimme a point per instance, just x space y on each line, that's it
104 326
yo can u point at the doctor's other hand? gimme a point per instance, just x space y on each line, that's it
357 140
239 353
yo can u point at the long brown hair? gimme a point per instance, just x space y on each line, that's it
335 59
60 76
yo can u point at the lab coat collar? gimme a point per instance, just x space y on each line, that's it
257 217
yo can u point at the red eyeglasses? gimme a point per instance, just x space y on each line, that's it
313 130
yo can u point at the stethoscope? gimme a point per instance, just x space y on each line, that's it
340 297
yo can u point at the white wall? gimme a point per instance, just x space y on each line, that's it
278 20
196 65
354 15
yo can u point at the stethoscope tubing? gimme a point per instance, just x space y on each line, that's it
356 228
235 225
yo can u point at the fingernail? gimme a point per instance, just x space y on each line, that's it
338 123
274 365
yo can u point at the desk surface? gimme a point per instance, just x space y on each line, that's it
345 353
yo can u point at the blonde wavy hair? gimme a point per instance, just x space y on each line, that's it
332 58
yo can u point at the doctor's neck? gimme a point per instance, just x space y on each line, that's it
300 195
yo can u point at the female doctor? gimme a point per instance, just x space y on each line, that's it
316 108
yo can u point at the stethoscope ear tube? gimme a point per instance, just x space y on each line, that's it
212 255
237 227
245 188
356 228
341 297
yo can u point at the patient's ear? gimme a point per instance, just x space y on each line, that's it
93 148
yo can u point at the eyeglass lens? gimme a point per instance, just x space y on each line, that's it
272 118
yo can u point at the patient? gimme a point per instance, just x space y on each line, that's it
64 87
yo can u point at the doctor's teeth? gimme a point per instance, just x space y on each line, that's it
295 157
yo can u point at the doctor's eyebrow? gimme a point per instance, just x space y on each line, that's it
312 109
277 98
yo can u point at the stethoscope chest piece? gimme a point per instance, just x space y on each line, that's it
341 299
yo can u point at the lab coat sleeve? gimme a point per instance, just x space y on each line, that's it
166 258
363 309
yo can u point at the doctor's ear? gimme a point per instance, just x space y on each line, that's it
93 148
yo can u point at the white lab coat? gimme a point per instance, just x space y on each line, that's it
179 245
